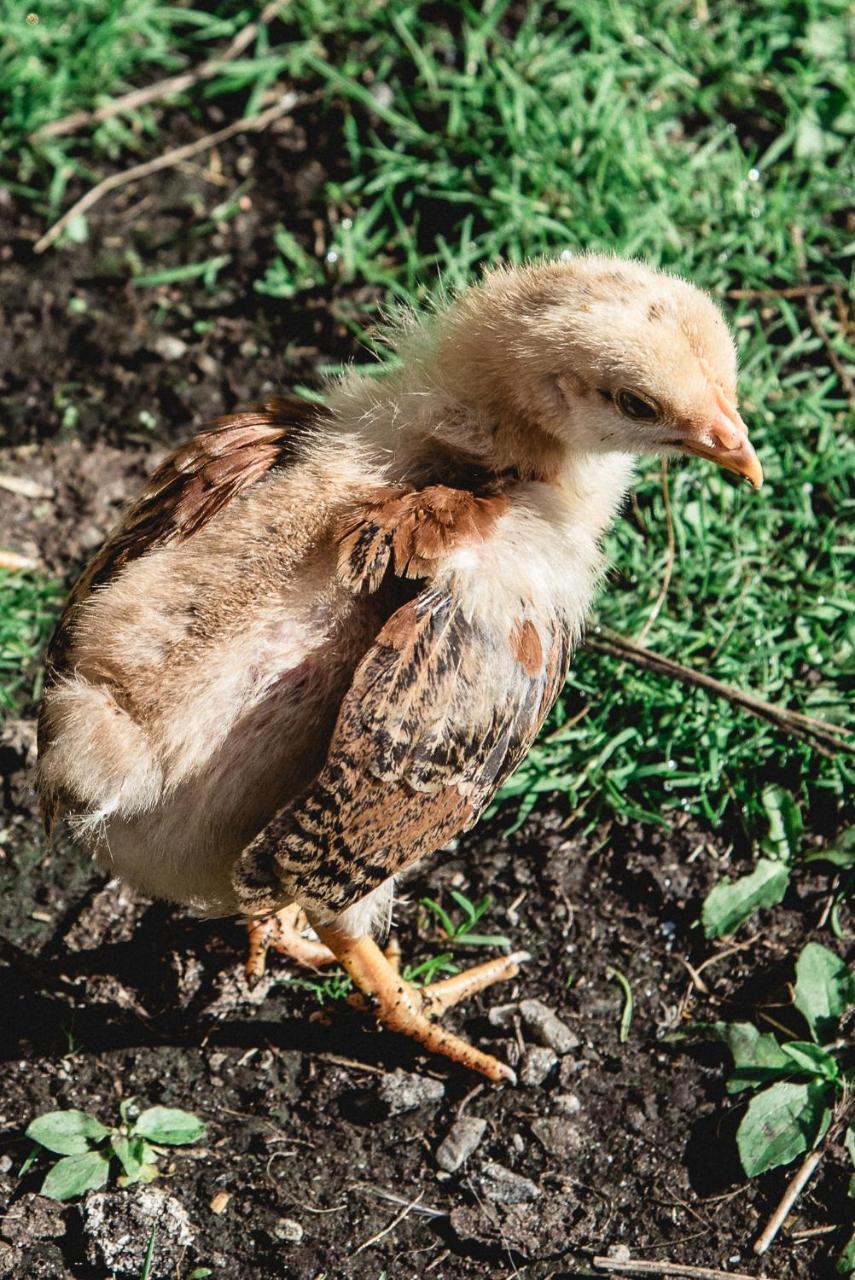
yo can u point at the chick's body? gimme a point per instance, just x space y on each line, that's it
323 637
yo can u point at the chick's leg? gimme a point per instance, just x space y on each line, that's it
282 931
401 1007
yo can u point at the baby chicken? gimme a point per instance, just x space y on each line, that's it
323 637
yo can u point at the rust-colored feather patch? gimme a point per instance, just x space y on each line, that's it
526 647
411 532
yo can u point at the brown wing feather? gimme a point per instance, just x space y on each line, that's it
189 488
186 491
438 716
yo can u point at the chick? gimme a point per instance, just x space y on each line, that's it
323 637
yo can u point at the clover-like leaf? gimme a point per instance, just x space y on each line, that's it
782 1122
728 904
825 988
72 1175
67 1133
169 1125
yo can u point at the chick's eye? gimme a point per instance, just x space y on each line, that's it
635 406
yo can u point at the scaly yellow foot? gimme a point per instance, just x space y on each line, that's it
409 1010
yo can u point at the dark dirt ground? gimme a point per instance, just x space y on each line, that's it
105 997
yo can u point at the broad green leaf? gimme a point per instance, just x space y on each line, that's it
782 1122
849 1142
73 1175
840 854
825 987
757 1056
169 1125
67 1133
729 903
785 823
810 1057
846 1261
135 1155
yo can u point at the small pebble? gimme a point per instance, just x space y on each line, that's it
567 1104
220 1201
547 1028
462 1139
536 1065
403 1091
169 347
503 1186
619 1253
289 1230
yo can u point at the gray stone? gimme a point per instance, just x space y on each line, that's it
461 1140
566 1104
558 1136
288 1229
503 1186
117 1227
547 1028
404 1091
536 1065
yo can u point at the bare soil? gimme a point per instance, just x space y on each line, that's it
105 997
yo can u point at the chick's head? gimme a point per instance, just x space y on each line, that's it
603 355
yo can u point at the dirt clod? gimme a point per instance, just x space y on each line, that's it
402 1091
117 1226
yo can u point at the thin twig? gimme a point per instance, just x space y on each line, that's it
167 88
669 1269
399 1217
253 123
669 561
815 318
795 1187
792 291
823 736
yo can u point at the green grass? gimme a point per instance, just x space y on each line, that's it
479 132
28 607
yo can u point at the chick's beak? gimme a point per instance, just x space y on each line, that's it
724 440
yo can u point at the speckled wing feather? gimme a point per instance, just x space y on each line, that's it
190 487
441 710
186 491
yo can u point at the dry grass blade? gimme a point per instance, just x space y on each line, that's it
166 88
669 1269
255 123
824 736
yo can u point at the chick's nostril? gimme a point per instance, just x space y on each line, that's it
726 437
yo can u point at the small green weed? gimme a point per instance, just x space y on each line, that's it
88 1147
29 604
800 1086
335 985
730 903
462 932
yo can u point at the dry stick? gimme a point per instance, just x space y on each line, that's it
669 561
399 1217
255 122
669 1269
816 320
795 1187
167 88
820 733
792 291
